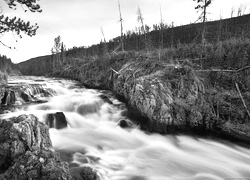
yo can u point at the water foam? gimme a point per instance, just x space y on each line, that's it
95 139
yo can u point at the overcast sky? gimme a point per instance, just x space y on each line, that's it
78 22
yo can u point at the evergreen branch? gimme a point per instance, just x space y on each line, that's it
30 4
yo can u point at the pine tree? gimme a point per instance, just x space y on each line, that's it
18 25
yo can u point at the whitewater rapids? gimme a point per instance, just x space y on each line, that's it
94 138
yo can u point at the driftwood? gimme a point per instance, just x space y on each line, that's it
242 99
216 70
242 69
114 71
224 70
116 49
195 59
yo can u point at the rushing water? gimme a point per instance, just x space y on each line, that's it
94 138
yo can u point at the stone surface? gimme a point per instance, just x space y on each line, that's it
56 120
83 173
26 151
105 99
175 98
172 97
125 124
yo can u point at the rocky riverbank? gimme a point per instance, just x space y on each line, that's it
26 151
167 96
176 97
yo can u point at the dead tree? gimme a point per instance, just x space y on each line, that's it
121 20
161 30
202 6
105 48
140 20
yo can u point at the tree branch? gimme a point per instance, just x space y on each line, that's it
5 45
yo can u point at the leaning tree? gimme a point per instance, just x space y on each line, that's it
15 24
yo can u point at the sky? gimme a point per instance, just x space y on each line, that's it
79 22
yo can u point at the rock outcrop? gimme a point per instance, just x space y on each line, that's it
84 173
174 97
26 151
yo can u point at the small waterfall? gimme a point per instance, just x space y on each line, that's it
21 94
88 128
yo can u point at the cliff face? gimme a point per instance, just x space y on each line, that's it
175 97
26 151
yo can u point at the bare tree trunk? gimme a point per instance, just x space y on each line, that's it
242 99
121 38
161 30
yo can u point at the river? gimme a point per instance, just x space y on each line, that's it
94 138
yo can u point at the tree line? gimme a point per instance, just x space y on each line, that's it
6 64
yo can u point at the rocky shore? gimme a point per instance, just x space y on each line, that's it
177 98
26 151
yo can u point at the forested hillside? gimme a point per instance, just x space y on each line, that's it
36 66
225 41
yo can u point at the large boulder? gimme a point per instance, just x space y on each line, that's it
168 97
123 123
174 97
56 120
84 173
26 151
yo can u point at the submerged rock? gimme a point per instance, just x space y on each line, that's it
105 99
125 124
26 151
83 173
56 120
8 98
90 108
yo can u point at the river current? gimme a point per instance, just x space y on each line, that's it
94 138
